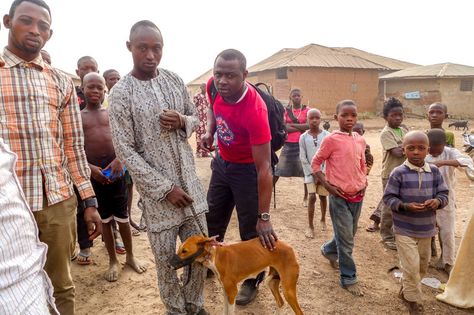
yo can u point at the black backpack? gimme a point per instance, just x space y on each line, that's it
275 112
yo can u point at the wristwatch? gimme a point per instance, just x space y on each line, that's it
90 202
264 216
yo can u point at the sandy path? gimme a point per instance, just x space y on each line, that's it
319 291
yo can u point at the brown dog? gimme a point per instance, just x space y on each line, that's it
236 262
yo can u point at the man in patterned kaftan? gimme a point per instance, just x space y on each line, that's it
152 117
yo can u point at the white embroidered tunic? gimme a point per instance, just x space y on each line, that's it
156 158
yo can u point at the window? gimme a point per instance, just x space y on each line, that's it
354 87
282 73
466 85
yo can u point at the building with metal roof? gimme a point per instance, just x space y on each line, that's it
418 87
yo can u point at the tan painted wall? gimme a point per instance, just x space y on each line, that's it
460 104
429 92
323 88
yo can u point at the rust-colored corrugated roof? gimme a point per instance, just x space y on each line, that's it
441 70
203 78
390 63
314 56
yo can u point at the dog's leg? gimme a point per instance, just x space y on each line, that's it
229 309
273 282
229 298
289 278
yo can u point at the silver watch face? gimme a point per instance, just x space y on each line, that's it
265 216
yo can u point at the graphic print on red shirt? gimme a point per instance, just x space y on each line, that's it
241 125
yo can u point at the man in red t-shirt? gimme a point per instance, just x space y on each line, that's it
241 172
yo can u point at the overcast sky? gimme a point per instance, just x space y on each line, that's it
194 32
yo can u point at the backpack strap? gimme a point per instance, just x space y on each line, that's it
212 92
292 115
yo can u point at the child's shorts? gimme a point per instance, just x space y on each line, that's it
112 199
318 189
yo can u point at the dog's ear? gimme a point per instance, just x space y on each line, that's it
207 240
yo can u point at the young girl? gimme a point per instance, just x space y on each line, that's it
295 122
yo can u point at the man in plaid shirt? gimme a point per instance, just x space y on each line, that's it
40 121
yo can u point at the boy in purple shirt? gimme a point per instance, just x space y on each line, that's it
415 190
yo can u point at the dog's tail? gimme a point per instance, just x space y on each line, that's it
273 282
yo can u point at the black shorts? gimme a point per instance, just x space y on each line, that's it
112 199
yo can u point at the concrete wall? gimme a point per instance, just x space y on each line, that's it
460 104
429 93
323 88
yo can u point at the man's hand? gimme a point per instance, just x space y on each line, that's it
93 222
171 120
207 142
179 198
96 174
117 169
432 204
415 207
266 234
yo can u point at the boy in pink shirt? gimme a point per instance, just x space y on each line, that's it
345 179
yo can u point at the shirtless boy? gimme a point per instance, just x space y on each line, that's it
111 191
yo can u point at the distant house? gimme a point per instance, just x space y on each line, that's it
325 75
390 64
75 78
418 87
193 86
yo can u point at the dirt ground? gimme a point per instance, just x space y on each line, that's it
318 288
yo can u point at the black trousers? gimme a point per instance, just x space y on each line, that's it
82 234
232 185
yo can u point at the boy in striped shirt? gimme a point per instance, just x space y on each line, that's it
415 190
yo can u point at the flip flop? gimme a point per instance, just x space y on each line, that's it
135 232
371 229
390 245
86 259
119 248
74 255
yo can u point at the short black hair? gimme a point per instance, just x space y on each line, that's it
109 71
233 54
436 136
359 124
16 3
295 90
143 24
84 58
344 103
390 104
443 106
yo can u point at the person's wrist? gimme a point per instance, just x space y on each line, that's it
90 202
264 216
181 121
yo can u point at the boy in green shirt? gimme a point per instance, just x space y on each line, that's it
391 138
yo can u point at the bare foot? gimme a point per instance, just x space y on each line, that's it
354 289
331 258
112 274
439 264
135 264
309 233
323 226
